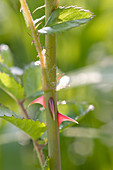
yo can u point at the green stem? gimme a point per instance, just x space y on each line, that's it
48 66
50 91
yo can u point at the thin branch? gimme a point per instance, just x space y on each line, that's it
38 148
23 109
37 42
39 152
33 30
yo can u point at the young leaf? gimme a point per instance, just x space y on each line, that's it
10 86
32 79
33 128
64 18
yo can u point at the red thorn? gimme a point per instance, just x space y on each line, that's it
39 100
51 107
62 118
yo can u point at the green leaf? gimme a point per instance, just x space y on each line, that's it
64 18
4 111
36 95
4 68
33 128
32 79
6 56
10 86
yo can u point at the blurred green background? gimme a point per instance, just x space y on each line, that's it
85 54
